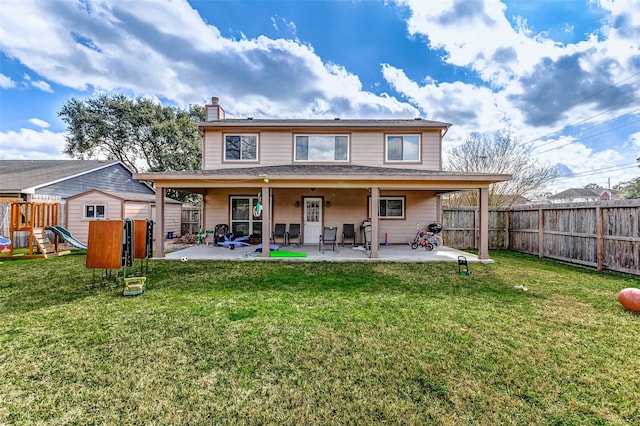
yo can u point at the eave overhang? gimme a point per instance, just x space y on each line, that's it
305 176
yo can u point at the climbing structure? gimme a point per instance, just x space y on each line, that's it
33 217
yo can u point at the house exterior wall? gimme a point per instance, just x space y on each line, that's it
366 148
78 225
346 206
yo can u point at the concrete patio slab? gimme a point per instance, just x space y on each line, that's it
391 253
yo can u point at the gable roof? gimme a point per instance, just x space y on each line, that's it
126 196
27 175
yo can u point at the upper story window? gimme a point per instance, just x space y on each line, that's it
241 147
94 211
321 148
403 148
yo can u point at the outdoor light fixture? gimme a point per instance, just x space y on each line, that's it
297 204
327 204
265 178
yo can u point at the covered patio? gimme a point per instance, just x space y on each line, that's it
356 187
311 253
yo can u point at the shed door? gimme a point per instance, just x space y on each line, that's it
312 220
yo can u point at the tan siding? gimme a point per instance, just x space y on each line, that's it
431 149
173 218
212 150
346 206
137 210
420 207
78 225
366 148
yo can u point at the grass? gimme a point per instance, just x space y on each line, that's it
319 343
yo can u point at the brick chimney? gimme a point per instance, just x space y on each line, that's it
214 111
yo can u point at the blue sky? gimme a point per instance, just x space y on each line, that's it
561 75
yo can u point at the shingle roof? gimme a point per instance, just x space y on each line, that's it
576 193
132 196
336 123
18 175
316 169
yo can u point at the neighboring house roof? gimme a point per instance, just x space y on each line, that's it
579 193
63 177
21 175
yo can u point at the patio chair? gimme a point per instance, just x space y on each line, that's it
348 231
279 232
330 236
294 232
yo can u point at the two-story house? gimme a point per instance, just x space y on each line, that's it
318 172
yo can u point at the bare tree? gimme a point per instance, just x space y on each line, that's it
499 152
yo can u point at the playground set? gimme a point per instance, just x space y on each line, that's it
36 218
113 247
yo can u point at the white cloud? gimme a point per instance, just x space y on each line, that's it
31 144
170 52
40 123
42 85
6 82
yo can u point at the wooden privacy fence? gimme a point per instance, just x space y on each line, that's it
604 235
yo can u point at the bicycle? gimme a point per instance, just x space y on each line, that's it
427 238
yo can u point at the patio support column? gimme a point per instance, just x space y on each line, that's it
375 203
266 221
483 237
159 225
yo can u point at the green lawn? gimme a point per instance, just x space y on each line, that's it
319 343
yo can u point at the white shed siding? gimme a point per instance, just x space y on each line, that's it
173 218
78 225
137 210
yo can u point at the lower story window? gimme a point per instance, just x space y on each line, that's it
391 207
243 220
94 211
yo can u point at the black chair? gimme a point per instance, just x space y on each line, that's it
279 232
348 231
294 232
329 236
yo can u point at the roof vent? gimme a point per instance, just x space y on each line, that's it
418 118
336 118
249 118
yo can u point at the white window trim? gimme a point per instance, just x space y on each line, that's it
394 198
95 209
310 135
386 148
224 148
252 219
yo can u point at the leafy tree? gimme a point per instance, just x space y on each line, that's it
499 153
143 134
628 190
593 186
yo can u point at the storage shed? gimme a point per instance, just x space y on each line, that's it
102 205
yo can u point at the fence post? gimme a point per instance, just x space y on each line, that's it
600 238
540 232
